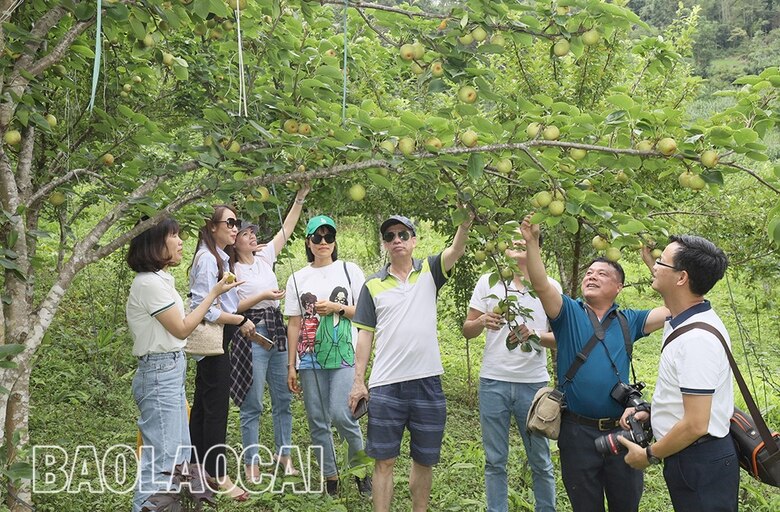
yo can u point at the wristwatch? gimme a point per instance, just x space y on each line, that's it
341 312
652 459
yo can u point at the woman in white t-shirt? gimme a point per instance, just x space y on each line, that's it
255 361
320 303
155 316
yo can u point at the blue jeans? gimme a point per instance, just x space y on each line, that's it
158 390
326 398
267 366
499 401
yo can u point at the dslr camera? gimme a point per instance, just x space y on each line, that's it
639 432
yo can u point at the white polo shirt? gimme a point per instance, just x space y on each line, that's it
694 363
402 315
498 362
150 294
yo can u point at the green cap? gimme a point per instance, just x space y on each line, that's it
316 222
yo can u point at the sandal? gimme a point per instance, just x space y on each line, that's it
289 469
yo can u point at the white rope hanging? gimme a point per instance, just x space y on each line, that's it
242 107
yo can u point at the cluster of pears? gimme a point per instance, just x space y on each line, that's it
554 201
478 34
292 126
562 46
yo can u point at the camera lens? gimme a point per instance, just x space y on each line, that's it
609 444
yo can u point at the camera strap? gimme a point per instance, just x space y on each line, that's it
599 332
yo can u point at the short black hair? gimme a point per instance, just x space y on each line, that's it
704 262
613 264
147 252
310 255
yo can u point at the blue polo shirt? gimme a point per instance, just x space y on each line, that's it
588 394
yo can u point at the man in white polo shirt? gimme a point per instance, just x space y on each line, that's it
508 381
693 399
397 305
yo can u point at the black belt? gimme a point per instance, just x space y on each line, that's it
602 424
703 439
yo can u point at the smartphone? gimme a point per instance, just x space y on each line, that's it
361 409
261 340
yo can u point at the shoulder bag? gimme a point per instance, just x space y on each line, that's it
758 448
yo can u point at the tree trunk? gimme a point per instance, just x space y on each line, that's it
17 415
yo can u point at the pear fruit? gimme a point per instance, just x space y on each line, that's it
406 145
599 243
357 192
479 34
561 47
407 51
469 138
667 146
551 132
556 208
710 158
612 254
591 37
467 94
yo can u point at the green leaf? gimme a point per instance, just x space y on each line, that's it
380 180
181 73
621 101
459 216
633 226
476 165
570 224
744 136
11 349
411 120
138 28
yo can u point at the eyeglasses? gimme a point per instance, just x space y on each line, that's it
659 262
317 238
390 236
231 223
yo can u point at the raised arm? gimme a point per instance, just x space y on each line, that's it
550 297
453 253
291 220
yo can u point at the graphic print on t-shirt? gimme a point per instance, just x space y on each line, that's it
329 337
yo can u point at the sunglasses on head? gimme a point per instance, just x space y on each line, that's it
389 236
231 223
317 238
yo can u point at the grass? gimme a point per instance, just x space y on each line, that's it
81 393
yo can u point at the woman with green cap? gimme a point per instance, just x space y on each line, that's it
320 302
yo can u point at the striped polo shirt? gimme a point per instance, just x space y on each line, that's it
402 315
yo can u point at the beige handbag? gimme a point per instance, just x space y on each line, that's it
544 415
206 339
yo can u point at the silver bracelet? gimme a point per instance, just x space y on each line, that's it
300 202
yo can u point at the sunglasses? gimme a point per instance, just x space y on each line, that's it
231 223
317 238
390 236
659 262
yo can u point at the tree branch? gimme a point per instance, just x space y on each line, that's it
380 7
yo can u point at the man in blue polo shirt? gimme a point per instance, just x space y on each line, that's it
587 475
398 306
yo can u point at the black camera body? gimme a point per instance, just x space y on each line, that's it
639 432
